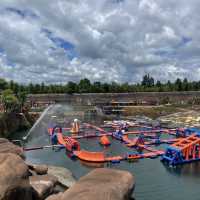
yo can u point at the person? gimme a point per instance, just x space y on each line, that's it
125 127
119 133
75 126
54 139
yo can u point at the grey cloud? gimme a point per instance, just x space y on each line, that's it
113 40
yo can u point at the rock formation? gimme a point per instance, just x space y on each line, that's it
21 181
8 147
103 183
14 179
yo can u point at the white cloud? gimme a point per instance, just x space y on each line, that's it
106 40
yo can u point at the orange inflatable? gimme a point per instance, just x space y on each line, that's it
104 141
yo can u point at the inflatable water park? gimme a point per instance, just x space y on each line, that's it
182 144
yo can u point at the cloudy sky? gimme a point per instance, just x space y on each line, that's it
102 40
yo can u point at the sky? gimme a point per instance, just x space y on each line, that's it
102 40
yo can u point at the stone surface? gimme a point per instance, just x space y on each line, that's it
189 118
12 122
14 181
103 183
55 196
64 175
38 169
7 147
43 184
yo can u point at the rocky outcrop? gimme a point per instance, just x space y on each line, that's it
38 169
12 122
32 116
17 184
43 184
49 179
64 176
14 180
106 184
55 196
8 147
21 181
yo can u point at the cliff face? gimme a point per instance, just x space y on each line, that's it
12 122
102 98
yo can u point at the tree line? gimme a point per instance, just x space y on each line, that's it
148 84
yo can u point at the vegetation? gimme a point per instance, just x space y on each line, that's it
9 101
148 84
12 102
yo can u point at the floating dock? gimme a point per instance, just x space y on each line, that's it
184 148
184 151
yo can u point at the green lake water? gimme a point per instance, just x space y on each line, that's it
154 181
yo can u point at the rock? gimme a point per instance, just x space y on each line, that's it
64 176
12 122
14 181
43 184
32 173
8 147
55 196
39 169
102 183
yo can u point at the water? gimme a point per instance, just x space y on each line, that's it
154 181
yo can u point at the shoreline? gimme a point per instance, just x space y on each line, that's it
44 182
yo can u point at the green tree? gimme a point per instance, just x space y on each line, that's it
178 84
97 87
11 85
125 87
147 81
30 88
3 84
84 85
36 88
15 88
106 87
185 84
42 88
170 86
159 86
9 101
114 87
22 99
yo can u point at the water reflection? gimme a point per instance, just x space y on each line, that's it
189 169
91 165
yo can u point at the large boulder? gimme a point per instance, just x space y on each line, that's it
55 196
103 183
14 180
8 147
65 177
43 184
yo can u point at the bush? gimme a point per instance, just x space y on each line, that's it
10 101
